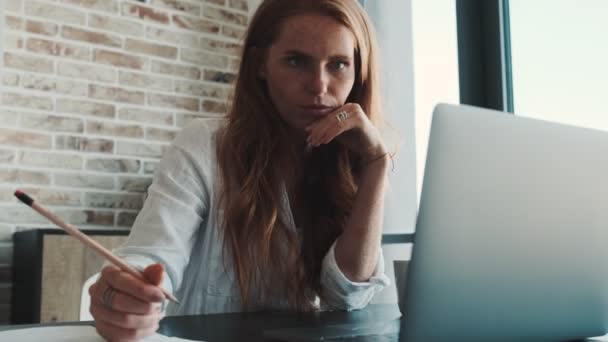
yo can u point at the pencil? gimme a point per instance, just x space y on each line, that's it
94 245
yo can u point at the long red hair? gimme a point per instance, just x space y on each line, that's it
253 149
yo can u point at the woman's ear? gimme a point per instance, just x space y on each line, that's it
259 59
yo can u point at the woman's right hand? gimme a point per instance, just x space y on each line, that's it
126 308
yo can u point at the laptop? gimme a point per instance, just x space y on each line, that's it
511 238
512 231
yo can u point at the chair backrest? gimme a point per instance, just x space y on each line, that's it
395 247
63 278
50 269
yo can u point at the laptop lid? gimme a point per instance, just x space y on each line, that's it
511 233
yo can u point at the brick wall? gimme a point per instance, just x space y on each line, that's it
92 91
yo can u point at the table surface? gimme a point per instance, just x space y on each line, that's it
251 327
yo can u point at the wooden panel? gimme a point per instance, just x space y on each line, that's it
66 265
92 262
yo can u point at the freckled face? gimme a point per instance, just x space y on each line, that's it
310 68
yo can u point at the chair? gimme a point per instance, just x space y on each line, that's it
395 247
49 270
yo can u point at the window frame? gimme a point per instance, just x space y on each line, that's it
484 54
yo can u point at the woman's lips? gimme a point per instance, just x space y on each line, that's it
317 110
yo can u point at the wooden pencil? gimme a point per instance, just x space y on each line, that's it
94 245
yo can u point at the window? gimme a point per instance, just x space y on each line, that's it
435 68
559 60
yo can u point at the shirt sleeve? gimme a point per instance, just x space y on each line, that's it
166 228
340 293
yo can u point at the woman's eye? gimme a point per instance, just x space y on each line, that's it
293 61
338 65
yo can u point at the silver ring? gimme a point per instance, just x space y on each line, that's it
342 116
108 296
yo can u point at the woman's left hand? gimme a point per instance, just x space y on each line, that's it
350 126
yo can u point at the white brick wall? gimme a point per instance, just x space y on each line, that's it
92 91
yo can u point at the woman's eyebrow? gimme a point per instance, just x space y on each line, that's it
295 52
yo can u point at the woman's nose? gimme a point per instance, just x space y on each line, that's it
318 81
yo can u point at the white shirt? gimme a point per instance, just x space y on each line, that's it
178 227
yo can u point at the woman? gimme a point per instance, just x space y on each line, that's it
280 206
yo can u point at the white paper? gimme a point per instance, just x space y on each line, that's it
69 333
